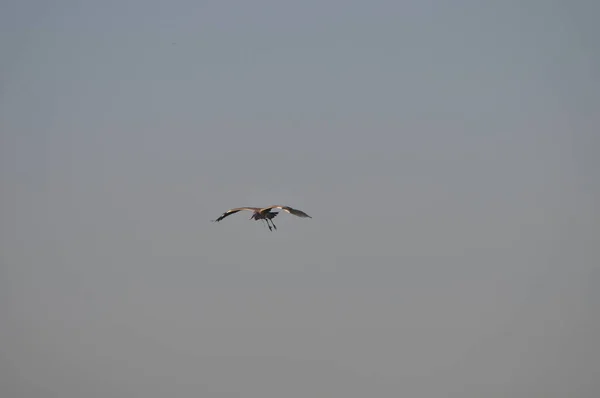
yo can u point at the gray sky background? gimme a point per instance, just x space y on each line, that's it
447 152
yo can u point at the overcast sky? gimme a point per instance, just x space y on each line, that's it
446 150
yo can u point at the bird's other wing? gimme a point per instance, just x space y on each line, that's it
296 212
233 211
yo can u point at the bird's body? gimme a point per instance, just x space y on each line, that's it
264 213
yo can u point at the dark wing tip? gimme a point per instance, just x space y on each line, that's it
298 213
227 213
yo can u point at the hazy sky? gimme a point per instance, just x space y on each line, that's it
446 150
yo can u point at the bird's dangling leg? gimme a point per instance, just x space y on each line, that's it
269 218
265 221
268 225
273 224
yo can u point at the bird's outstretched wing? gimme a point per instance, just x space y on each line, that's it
296 212
233 211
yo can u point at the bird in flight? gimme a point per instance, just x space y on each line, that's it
264 213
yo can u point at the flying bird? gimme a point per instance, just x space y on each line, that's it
264 213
